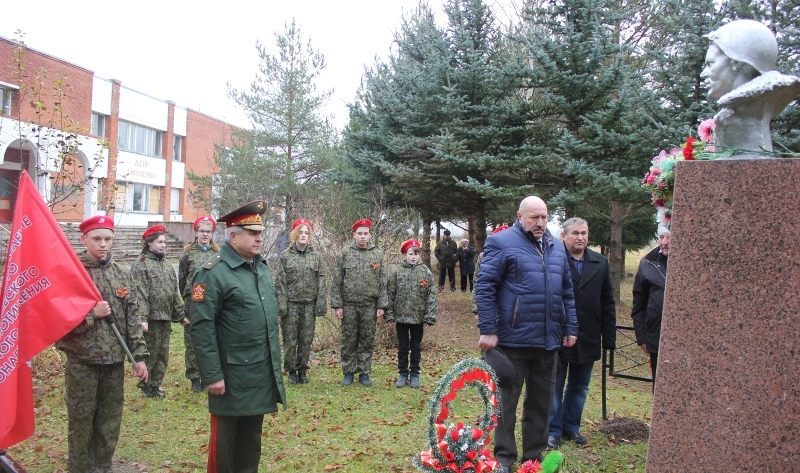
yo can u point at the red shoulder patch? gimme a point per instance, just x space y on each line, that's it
198 292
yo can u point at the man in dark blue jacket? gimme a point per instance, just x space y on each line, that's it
526 306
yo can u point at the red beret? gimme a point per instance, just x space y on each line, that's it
154 229
205 219
98 221
409 244
500 228
302 221
364 222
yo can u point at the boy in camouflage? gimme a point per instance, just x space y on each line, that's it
194 255
358 296
302 296
162 304
94 372
412 306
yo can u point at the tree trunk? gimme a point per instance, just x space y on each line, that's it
480 228
615 260
426 238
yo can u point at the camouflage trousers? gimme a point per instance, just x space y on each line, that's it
297 327
157 340
358 338
94 397
189 359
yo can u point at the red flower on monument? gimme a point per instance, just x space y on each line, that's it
688 149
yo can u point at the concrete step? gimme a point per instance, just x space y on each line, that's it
127 243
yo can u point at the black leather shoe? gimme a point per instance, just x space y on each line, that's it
292 377
553 442
347 380
302 377
364 379
575 437
197 386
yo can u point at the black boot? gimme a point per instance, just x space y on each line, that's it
302 377
197 386
292 377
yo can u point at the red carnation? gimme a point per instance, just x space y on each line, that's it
688 149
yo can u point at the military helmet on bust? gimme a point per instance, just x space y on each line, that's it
747 41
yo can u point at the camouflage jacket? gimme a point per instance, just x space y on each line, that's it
359 278
412 295
190 262
301 278
157 285
93 341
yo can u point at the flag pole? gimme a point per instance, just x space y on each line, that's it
121 340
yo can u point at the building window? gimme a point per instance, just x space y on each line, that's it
140 197
6 93
138 139
177 147
175 201
98 124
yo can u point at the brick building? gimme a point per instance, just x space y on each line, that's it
94 146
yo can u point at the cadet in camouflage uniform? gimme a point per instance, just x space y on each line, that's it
235 335
94 372
302 296
194 255
412 306
162 304
358 295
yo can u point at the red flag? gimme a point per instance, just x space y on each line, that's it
46 293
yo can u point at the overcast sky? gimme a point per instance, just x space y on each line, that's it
188 51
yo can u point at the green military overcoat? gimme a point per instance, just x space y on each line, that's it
234 328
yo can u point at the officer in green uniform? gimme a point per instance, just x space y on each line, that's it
195 254
359 297
94 373
234 327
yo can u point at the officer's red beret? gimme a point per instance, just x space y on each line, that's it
302 221
207 220
364 222
98 221
153 230
500 228
409 244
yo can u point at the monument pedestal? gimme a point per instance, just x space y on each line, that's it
727 397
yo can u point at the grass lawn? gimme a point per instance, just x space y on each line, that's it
327 427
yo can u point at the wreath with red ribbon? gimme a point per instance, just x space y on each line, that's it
456 448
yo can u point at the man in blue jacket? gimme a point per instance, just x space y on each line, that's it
526 306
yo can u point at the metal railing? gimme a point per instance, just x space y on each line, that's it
626 361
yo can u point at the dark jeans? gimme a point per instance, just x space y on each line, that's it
653 366
568 406
235 445
409 337
464 282
536 368
451 273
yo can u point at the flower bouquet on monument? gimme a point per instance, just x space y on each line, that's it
460 448
660 179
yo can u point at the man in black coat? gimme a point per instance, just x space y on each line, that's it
466 264
597 320
648 298
446 253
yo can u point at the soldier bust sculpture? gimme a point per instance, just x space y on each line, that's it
739 72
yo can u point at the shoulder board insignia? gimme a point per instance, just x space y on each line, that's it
210 264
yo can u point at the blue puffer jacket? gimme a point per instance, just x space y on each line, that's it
523 298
